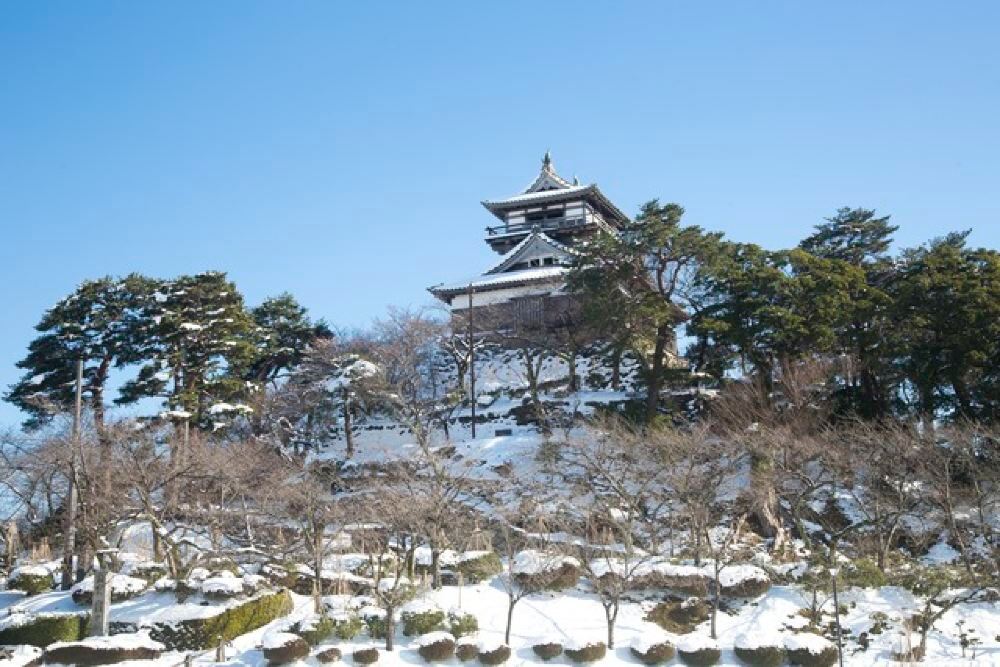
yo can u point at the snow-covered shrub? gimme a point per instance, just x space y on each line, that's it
123 587
744 581
195 634
652 650
281 648
477 566
328 655
585 651
436 646
461 624
26 656
467 648
760 648
698 650
19 628
680 617
365 656
493 652
32 579
683 579
314 629
346 626
222 586
810 650
104 650
149 570
548 650
538 570
375 620
420 617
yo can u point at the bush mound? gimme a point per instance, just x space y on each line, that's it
281 648
760 649
149 571
548 650
461 624
123 587
366 656
653 653
494 655
420 617
314 630
375 621
810 650
698 650
329 655
466 649
436 646
346 626
479 567
44 629
588 652
103 650
744 581
32 580
680 617
204 633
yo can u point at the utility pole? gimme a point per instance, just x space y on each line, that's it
472 366
69 540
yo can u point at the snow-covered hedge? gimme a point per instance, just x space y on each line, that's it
699 650
123 587
493 652
436 646
547 650
366 656
538 570
744 581
461 623
467 648
203 633
810 650
652 650
760 648
223 585
104 650
281 648
32 579
420 617
328 655
477 566
585 651
41 630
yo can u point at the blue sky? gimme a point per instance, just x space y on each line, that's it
339 151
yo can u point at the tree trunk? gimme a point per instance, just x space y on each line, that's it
435 567
348 428
318 571
510 618
654 381
611 615
616 368
390 627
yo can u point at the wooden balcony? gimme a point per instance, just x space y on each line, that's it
554 224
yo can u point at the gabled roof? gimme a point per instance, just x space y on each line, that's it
512 256
553 275
547 178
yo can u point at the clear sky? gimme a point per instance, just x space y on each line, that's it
339 150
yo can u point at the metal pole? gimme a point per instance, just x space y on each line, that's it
69 542
472 366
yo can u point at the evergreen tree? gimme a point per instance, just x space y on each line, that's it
854 236
198 342
95 324
636 284
286 332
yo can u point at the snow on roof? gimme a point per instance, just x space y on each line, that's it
539 273
539 195
523 243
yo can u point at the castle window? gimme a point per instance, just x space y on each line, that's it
549 261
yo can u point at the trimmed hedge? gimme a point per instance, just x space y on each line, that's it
765 656
422 622
548 651
480 569
346 629
437 651
32 584
366 656
461 625
748 588
77 654
329 655
467 651
806 659
700 658
46 629
589 653
290 651
497 656
562 578
316 631
204 633
655 654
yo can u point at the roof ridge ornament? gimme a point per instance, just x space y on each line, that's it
547 162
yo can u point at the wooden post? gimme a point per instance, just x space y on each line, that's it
69 536
100 606
472 366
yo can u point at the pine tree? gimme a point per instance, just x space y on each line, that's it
96 323
198 342
286 332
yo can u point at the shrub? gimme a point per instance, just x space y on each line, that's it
763 656
123 587
101 651
744 581
374 620
497 655
420 621
436 647
810 650
548 650
45 629
698 650
480 568
30 580
366 656
680 617
204 633
282 648
329 655
460 624
466 650
590 652
314 630
347 627
149 571
653 654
